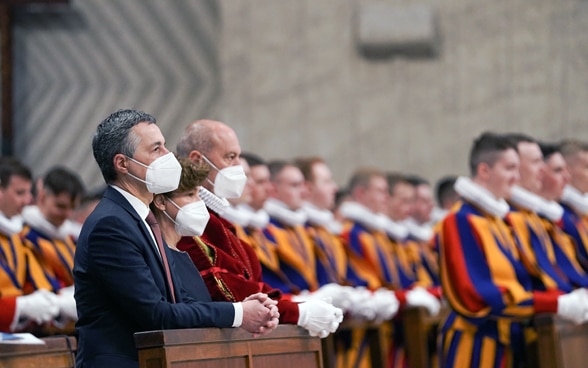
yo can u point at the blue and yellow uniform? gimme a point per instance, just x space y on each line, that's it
565 253
55 255
537 252
577 228
488 289
296 257
20 274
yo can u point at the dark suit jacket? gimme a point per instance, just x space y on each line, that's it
120 288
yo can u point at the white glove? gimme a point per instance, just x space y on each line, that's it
67 303
362 306
386 304
419 297
339 295
573 306
40 306
319 318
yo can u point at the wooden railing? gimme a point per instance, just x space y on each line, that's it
288 346
57 352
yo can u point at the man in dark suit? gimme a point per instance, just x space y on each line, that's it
124 280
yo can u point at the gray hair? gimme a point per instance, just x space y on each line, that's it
197 136
114 136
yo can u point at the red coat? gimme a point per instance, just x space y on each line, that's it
230 267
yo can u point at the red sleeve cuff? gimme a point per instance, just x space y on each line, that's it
436 291
7 310
289 312
545 301
401 296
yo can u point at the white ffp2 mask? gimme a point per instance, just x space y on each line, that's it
229 182
191 219
163 174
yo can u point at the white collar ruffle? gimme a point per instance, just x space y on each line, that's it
481 197
573 198
257 219
532 202
319 217
359 213
278 210
212 201
9 226
236 216
34 218
419 232
395 230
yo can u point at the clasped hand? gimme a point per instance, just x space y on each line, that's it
260 314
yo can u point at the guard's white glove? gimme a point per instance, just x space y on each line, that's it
419 297
386 304
40 306
319 318
362 306
339 295
67 303
573 306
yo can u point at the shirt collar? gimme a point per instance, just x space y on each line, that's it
138 205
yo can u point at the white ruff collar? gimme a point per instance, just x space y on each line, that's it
532 202
212 201
257 219
236 216
319 217
573 198
9 226
282 213
481 197
419 232
359 213
394 229
35 219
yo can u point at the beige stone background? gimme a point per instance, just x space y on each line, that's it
295 84
289 77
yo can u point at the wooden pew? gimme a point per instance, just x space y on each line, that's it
419 327
378 350
560 344
288 346
57 352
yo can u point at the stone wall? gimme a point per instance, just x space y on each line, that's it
295 83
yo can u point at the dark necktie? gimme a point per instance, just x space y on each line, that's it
152 222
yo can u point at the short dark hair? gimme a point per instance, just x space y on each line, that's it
253 159
60 180
9 167
416 180
548 149
275 167
114 136
305 165
362 178
445 189
394 179
570 147
517 138
487 149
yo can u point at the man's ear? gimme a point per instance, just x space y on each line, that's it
483 171
195 156
121 163
159 201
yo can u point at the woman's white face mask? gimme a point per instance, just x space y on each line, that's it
229 182
191 219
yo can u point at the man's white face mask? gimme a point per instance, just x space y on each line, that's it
229 182
163 174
